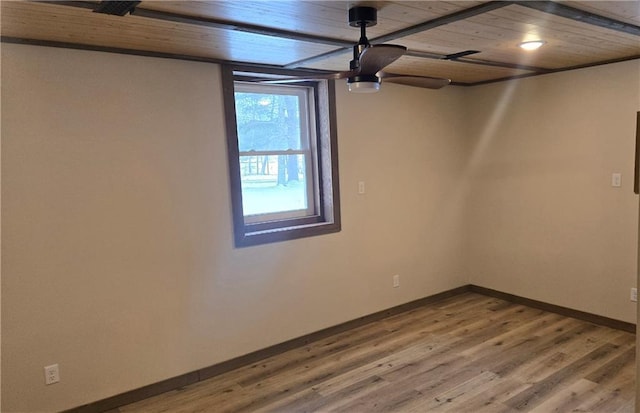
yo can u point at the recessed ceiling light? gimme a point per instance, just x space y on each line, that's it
532 45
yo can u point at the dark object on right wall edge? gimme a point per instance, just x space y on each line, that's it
636 170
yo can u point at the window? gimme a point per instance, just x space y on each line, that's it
282 158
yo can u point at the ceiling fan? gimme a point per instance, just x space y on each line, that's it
366 68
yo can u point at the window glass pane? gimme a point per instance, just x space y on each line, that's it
267 121
274 183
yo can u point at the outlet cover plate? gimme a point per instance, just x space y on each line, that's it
51 374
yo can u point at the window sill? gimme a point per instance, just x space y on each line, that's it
286 233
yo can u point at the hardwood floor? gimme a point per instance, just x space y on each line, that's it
468 353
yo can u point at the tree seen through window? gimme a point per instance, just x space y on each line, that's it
273 147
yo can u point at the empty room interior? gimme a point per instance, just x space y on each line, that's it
202 210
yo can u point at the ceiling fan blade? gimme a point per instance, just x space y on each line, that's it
458 55
306 78
375 58
417 81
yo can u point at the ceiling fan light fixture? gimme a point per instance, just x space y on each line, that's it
364 84
532 44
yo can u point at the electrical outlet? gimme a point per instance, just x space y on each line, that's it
51 374
634 294
396 281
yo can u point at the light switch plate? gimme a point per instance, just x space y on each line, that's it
616 180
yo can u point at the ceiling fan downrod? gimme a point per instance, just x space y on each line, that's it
361 17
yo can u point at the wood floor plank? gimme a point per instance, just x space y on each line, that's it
546 360
566 399
467 353
605 401
536 394
538 321
493 399
335 401
454 399
514 359
403 359
609 373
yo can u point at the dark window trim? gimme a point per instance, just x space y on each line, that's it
328 219
636 162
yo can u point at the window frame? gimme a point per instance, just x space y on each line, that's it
326 219
308 148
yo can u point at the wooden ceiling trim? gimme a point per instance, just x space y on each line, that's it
283 15
503 29
261 68
313 59
318 17
234 26
462 72
55 22
624 11
79 4
601 63
574 31
563 48
576 18
535 69
549 7
583 16
429 55
562 69
107 49
417 28
215 23
441 21
497 33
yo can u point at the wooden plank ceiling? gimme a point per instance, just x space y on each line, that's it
315 35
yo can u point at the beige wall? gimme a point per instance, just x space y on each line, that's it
544 221
117 252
